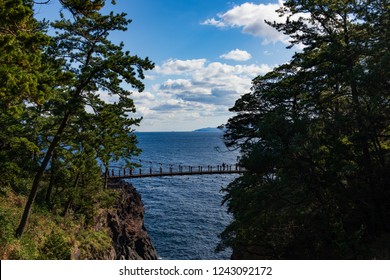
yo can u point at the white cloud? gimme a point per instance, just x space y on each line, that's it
214 22
145 95
107 97
237 55
194 93
150 77
176 67
251 18
213 77
176 84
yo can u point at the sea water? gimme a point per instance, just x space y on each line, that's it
183 214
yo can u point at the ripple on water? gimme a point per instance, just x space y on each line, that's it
183 214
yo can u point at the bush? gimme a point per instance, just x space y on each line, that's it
55 247
94 245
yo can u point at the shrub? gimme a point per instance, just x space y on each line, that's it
55 247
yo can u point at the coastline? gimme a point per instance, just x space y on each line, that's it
125 223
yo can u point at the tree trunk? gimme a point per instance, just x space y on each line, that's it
105 178
38 176
52 177
70 200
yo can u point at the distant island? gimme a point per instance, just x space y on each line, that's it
208 129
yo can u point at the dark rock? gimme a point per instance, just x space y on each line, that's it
247 253
126 225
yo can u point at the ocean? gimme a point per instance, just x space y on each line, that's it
183 214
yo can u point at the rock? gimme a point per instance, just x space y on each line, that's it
247 253
125 222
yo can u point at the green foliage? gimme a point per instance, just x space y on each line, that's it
94 245
51 236
7 226
314 137
23 78
21 44
67 126
56 129
55 247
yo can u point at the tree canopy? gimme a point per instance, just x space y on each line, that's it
314 138
57 131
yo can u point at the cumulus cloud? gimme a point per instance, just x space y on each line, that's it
251 19
237 55
107 97
214 22
176 67
205 83
194 91
214 76
178 84
143 95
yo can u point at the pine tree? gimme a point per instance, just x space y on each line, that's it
315 142
94 63
24 82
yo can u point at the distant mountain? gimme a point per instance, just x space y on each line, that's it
208 129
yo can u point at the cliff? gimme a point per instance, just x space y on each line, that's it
125 225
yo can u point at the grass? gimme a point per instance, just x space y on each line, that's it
47 236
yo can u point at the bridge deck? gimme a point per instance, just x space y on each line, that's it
180 173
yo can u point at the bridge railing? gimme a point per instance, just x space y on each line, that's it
172 169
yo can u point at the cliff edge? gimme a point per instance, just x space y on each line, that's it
125 224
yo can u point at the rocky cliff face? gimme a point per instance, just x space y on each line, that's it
247 253
125 224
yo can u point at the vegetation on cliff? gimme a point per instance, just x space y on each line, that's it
314 137
56 132
49 234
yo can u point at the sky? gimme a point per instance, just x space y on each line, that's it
206 53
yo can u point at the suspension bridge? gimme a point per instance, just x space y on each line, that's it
115 172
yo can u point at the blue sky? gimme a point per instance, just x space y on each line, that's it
206 53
